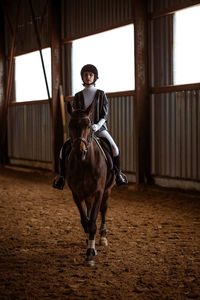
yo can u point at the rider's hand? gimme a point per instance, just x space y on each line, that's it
95 127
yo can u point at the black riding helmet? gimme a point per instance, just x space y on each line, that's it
90 68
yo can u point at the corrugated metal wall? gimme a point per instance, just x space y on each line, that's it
159 5
30 132
175 134
121 124
175 116
26 40
161 51
86 17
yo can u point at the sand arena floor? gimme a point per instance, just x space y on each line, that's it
153 235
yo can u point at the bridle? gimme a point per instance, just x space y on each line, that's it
86 142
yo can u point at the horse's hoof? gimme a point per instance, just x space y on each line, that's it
90 263
103 241
89 260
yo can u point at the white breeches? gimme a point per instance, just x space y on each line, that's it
107 135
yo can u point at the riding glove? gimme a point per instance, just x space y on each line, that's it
96 127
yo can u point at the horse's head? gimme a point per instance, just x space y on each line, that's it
80 129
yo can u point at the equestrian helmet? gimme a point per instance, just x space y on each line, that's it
90 68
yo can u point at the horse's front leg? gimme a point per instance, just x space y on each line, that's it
91 251
88 212
84 215
102 230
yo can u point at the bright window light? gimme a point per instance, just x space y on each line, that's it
187 46
29 76
112 52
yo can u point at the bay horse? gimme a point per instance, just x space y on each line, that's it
88 177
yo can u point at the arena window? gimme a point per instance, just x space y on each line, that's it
112 52
187 46
29 76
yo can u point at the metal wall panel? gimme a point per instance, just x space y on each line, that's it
30 132
81 18
157 5
26 40
121 125
175 135
161 51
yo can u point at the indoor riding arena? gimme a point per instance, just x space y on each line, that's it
147 57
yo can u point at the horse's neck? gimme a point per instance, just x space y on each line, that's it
89 159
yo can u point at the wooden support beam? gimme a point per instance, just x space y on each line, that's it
9 81
142 109
174 88
2 87
57 131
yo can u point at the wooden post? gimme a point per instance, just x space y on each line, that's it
9 81
57 139
62 108
2 88
142 108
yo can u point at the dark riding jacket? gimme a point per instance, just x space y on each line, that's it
100 106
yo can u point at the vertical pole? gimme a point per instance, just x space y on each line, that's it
141 87
57 139
10 74
2 87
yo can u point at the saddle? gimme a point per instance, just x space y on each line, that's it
106 150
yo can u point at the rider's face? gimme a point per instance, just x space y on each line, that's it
88 78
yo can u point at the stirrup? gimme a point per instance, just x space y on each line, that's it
59 183
121 179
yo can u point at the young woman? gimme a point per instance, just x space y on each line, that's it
82 100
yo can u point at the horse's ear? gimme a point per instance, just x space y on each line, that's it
90 109
69 108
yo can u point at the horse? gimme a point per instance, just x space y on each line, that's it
88 177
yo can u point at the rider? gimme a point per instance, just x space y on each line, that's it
82 100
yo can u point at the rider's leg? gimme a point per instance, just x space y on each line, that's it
59 181
120 177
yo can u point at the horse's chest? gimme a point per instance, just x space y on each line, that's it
84 181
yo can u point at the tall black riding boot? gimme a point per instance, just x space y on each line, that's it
120 177
59 181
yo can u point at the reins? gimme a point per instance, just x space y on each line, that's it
81 139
